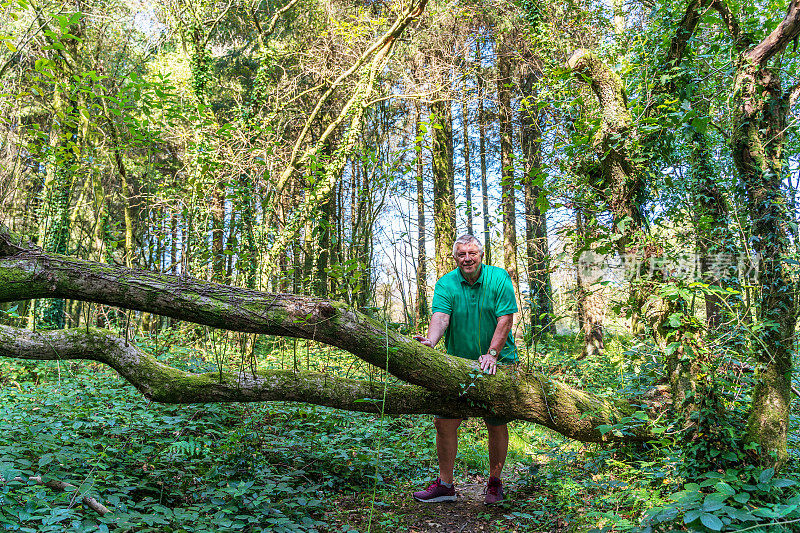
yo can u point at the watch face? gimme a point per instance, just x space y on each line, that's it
493 352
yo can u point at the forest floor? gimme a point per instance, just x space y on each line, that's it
280 467
468 514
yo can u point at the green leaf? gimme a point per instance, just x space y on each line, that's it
724 488
766 513
711 522
691 516
700 124
713 502
742 515
766 475
741 497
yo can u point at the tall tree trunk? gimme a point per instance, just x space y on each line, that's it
538 253
422 269
65 140
487 241
247 194
217 209
444 200
467 164
173 249
591 305
324 245
715 243
757 146
507 185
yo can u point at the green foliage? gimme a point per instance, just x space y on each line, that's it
732 500
159 468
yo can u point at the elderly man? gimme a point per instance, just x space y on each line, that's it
473 308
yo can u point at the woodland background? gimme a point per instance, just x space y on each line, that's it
633 166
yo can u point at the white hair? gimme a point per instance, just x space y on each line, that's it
467 239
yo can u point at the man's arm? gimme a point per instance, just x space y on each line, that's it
436 329
501 331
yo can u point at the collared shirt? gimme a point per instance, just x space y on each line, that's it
474 310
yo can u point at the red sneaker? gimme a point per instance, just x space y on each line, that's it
436 493
494 491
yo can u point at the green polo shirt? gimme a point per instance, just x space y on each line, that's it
473 311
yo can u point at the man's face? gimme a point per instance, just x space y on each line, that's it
468 258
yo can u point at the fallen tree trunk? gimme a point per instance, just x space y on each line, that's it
436 383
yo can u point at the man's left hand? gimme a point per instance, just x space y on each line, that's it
488 363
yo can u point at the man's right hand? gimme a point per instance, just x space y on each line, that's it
424 340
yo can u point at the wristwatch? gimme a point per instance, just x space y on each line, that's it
492 352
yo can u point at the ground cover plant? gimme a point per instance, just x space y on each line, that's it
295 467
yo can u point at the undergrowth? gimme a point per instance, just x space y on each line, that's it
296 467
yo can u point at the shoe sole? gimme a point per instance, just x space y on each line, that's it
437 499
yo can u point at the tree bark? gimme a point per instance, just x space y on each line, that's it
467 164
487 240
507 184
422 268
591 305
715 243
757 144
444 199
536 242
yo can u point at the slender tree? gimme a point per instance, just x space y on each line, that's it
507 183
536 241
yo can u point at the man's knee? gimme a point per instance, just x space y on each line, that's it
446 425
499 430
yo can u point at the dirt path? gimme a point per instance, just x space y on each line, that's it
467 514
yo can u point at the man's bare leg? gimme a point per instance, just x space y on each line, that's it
446 446
498 449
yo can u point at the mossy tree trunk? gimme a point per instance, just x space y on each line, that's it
422 308
507 183
622 185
536 242
715 241
444 199
66 139
591 305
757 145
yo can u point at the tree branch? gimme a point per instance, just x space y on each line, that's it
162 383
730 20
56 484
264 33
774 43
686 28
30 273
296 160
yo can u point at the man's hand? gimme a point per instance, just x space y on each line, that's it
437 327
424 340
488 363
